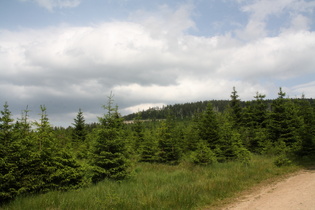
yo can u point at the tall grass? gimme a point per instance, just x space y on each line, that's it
157 186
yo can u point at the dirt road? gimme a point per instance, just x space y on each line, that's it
294 193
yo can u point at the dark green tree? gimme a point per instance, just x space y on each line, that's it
308 131
52 167
231 145
203 155
6 126
149 148
254 121
79 131
169 142
110 158
138 132
235 109
260 113
208 127
277 117
8 164
285 124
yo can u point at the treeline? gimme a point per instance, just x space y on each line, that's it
189 110
36 158
179 111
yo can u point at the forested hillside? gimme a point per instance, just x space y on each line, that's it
189 110
37 158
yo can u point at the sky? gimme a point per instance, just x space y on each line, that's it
71 54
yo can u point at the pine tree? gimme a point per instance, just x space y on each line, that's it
308 131
8 164
138 132
149 148
169 142
231 146
208 127
235 109
285 124
259 111
192 137
6 126
203 155
48 166
254 121
277 116
79 132
109 153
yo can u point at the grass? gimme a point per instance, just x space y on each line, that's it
157 186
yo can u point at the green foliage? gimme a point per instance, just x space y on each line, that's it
203 155
79 131
159 186
259 111
235 109
169 142
35 163
231 146
149 149
138 132
9 149
285 125
109 156
282 160
208 127
37 158
308 130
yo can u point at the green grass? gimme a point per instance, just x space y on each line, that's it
157 186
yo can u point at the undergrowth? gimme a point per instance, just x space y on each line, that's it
158 186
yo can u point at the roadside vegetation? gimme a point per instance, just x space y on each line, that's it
160 186
174 163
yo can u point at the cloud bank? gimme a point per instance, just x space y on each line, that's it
151 60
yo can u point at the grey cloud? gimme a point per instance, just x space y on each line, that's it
67 68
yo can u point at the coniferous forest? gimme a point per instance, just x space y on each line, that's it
36 158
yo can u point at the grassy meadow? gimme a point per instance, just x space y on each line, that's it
159 186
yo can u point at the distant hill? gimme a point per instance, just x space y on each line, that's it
188 110
179 111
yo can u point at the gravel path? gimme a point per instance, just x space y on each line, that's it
294 193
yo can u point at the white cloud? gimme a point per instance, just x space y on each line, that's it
51 4
308 89
262 12
147 61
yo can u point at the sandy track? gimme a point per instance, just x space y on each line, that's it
293 193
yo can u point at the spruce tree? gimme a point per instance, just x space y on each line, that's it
8 151
208 127
231 146
235 109
110 158
285 124
203 155
254 122
149 148
259 111
79 131
50 167
169 142
6 126
306 111
138 132
277 116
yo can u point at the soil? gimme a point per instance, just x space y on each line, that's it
293 193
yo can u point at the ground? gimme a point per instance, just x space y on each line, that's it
293 193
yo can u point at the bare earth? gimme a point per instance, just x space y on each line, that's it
294 193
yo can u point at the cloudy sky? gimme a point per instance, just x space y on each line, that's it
70 54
